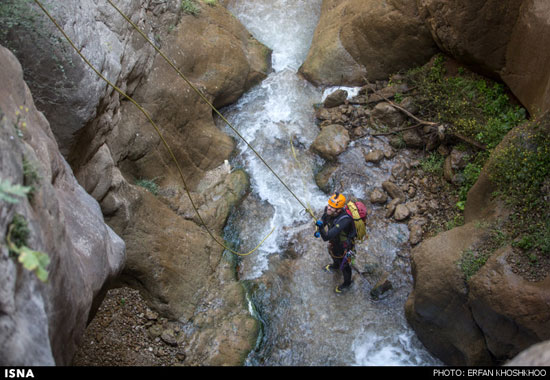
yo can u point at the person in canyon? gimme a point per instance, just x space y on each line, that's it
336 226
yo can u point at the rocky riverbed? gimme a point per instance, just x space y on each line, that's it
125 331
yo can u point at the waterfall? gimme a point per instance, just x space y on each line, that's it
305 323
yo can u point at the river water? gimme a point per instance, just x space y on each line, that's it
304 322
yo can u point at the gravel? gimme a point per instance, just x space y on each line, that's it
125 332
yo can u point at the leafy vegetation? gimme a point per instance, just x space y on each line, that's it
16 239
149 184
521 171
31 177
471 262
433 163
190 7
475 257
471 106
481 111
11 193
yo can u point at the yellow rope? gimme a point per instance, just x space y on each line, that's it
156 129
169 61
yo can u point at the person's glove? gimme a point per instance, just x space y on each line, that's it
317 234
319 223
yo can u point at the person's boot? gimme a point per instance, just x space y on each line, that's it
329 268
342 288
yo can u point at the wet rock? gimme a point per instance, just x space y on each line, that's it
398 170
389 153
378 197
324 178
390 207
393 190
331 141
416 229
336 99
401 213
413 139
388 115
348 46
374 156
381 288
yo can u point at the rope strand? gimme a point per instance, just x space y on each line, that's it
169 61
146 114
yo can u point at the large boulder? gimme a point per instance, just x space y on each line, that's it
358 39
511 311
67 91
110 145
437 308
527 59
505 39
499 311
331 141
536 355
42 323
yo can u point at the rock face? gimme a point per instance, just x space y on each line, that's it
511 312
110 145
438 307
516 32
43 323
493 315
536 355
373 39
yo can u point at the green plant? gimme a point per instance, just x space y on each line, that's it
16 240
470 173
471 261
457 221
472 105
149 184
211 2
31 178
433 163
190 7
11 193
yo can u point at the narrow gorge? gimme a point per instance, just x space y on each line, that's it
433 113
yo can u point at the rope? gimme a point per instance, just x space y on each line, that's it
169 61
146 114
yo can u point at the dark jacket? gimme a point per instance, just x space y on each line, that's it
340 234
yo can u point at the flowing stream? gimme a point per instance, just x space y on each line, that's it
304 321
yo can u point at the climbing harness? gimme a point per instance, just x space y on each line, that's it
349 257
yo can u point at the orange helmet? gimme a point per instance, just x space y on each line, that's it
337 201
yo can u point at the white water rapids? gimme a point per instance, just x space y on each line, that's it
304 321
